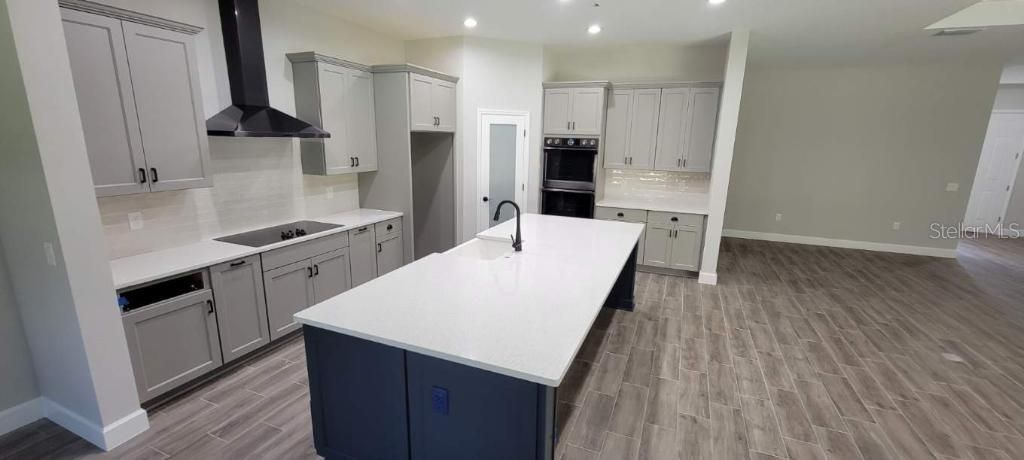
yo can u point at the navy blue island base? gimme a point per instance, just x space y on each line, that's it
375 401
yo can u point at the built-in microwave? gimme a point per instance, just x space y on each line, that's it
570 163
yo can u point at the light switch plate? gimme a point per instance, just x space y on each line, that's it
51 257
135 221
330 193
952 187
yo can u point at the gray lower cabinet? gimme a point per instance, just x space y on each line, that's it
390 255
331 275
289 290
172 342
362 244
676 247
241 306
637 216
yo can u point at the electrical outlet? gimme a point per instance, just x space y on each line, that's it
439 400
952 187
896 225
330 193
778 217
135 221
51 257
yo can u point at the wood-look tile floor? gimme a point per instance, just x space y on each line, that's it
802 352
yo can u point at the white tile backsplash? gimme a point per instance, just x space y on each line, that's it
623 183
256 182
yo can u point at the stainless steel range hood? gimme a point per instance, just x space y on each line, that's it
250 113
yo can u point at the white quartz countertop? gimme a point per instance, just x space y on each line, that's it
523 314
685 203
151 266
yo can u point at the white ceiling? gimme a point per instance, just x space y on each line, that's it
790 30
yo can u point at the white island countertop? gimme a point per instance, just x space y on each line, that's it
151 266
684 203
523 315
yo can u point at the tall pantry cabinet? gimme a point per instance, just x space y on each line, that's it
137 88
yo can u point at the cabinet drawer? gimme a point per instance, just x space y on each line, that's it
388 229
623 214
674 220
296 252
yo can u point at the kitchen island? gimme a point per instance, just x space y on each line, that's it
459 355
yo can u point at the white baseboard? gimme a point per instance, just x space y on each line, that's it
708 278
105 437
848 244
18 416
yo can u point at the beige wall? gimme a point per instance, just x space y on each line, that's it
652 62
256 182
17 379
844 152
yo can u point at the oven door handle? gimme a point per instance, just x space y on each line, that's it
565 190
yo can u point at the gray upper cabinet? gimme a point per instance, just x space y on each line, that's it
557 103
362 246
331 275
241 306
643 128
172 342
431 103
616 136
165 78
672 129
289 290
106 103
138 94
703 122
337 96
574 111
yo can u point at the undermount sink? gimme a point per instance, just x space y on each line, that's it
484 250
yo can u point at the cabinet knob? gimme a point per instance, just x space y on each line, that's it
621 215
390 226
675 219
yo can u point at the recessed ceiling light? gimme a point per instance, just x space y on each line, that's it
594 29
469 23
716 2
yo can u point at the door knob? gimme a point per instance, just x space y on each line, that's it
486 199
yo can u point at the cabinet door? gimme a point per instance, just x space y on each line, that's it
362 131
587 110
99 67
703 122
331 275
686 249
363 249
289 291
657 246
643 128
389 255
241 307
339 152
421 114
172 342
443 101
169 104
556 110
616 137
672 133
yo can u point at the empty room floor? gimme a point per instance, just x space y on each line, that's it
801 352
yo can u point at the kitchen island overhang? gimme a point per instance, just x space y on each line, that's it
459 354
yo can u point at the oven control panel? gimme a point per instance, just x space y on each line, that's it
571 142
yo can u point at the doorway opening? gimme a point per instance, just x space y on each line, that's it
503 167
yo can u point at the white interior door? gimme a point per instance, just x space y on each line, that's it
997 169
503 163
